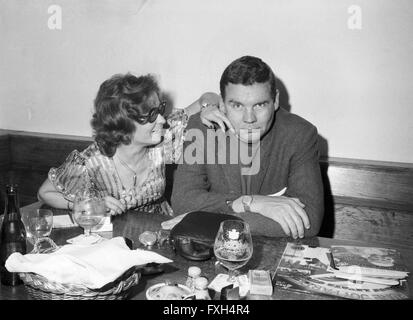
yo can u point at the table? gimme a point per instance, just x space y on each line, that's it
267 253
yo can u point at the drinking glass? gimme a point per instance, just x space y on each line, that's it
233 246
40 225
89 210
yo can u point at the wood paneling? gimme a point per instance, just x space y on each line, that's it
384 185
364 200
4 164
4 151
31 155
39 151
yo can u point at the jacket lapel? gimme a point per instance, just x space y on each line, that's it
231 169
266 146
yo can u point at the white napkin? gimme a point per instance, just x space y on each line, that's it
92 266
84 240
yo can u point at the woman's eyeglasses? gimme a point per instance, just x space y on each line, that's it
153 114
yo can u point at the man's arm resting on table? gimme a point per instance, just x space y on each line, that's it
191 192
287 213
304 181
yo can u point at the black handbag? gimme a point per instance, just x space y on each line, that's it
194 236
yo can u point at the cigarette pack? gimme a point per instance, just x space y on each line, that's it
260 282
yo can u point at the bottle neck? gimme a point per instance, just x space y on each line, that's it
12 210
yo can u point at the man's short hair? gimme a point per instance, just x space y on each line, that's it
248 70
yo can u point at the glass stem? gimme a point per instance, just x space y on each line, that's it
232 274
35 242
87 232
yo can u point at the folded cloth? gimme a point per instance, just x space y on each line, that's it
92 266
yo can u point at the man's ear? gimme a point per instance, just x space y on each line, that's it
277 100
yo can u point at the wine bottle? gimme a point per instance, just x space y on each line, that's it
13 235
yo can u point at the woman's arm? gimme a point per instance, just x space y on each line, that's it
51 196
210 98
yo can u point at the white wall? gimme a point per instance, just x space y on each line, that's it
354 85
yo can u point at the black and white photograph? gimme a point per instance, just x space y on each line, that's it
174 150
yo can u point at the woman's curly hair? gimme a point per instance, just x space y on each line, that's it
119 102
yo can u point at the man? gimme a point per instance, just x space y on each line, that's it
283 145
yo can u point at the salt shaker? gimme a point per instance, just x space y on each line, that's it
201 290
193 273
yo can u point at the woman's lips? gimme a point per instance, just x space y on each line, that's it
157 130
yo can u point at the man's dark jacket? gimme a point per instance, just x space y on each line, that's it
288 158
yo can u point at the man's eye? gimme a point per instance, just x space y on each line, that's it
260 105
236 106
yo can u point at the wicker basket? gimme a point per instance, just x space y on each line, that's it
39 288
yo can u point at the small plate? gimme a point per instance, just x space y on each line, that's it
165 291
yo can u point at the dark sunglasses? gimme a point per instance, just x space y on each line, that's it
153 114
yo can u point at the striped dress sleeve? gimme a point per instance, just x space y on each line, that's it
69 176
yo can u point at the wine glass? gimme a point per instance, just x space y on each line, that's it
40 226
233 246
89 210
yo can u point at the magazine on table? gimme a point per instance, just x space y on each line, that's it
313 270
369 261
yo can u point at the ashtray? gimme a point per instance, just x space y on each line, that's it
167 291
148 238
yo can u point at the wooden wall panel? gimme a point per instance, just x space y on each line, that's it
4 151
29 181
31 155
4 164
38 151
381 185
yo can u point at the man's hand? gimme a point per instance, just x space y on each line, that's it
114 206
288 212
213 111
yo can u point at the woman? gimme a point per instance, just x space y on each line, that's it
127 160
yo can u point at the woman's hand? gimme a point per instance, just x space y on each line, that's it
114 206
